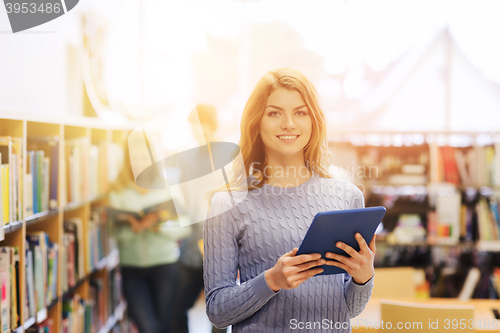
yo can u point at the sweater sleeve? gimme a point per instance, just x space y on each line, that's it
227 301
356 295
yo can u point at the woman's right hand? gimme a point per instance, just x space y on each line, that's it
290 270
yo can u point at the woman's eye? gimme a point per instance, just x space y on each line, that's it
302 113
274 114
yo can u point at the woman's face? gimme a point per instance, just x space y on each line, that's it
286 125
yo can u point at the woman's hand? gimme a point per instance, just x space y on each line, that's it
290 270
360 264
139 225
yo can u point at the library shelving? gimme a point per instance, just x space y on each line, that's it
441 191
57 263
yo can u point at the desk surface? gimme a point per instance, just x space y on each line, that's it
482 312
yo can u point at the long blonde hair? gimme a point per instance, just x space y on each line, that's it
251 145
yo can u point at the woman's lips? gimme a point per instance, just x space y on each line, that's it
288 138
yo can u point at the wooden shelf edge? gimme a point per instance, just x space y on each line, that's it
66 295
488 246
35 218
114 318
28 323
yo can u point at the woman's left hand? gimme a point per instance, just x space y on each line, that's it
360 264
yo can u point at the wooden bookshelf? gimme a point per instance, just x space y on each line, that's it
359 139
28 127
446 257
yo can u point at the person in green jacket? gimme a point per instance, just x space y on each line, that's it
148 252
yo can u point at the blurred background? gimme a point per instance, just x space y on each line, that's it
390 65
411 91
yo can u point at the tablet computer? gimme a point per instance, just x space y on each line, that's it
328 228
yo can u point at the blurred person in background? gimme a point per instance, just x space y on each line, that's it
148 250
191 259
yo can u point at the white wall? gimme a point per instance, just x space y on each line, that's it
36 74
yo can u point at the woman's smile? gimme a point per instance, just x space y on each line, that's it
288 138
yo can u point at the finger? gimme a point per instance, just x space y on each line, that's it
299 282
353 264
307 274
362 243
372 245
310 264
291 253
339 265
349 250
300 259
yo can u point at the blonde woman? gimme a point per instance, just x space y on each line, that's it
284 148
148 251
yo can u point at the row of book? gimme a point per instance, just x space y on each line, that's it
9 291
89 315
41 272
72 256
75 313
47 326
90 168
419 164
99 245
115 296
470 166
459 218
98 238
41 179
495 280
11 179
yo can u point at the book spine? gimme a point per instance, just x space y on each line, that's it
39 164
54 172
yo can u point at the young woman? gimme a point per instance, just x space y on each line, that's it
284 149
148 253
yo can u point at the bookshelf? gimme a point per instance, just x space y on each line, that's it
441 191
79 146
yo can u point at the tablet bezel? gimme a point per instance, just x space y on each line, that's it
362 220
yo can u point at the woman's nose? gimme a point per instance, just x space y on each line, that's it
287 123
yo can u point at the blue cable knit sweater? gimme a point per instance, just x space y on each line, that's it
252 236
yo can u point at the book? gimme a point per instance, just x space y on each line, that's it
28 194
15 294
5 280
30 284
5 193
4 302
470 284
6 153
450 165
50 147
11 157
34 179
38 244
448 210
76 262
166 211
77 169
